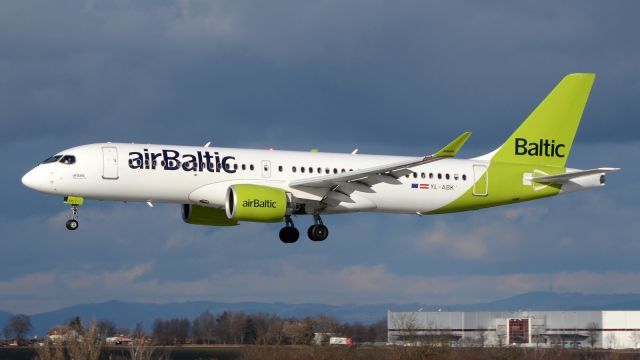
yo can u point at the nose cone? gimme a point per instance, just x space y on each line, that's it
35 180
29 179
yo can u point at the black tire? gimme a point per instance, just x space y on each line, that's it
72 224
289 234
318 232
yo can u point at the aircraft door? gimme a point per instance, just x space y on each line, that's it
109 162
481 180
266 169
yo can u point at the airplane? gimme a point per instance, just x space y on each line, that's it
218 186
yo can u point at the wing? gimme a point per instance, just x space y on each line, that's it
563 178
362 179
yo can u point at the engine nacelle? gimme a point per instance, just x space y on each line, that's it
201 215
258 203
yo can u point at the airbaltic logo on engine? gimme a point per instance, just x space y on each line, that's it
173 160
543 147
259 204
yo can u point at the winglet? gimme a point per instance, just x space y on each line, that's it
452 149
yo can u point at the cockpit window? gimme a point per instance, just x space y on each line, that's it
68 159
52 159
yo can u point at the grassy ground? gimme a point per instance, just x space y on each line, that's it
346 353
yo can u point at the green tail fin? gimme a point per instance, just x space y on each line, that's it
546 136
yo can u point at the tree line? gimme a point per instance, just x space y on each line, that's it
260 329
222 328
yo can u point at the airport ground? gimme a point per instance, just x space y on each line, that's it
224 352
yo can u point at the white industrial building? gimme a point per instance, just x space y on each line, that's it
574 329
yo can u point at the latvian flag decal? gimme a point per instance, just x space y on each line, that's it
420 186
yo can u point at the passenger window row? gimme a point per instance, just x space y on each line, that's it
318 170
251 167
310 170
446 176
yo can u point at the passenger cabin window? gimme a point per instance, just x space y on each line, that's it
280 168
464 177
52 159
447 176
244 167
302 169
293 169
439 176
310 170
251 167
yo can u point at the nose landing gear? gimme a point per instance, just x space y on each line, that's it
74 201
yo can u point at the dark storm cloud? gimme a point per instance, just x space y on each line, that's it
320 74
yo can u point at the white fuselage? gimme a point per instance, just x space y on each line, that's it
134 172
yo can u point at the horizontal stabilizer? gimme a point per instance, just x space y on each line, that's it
562 178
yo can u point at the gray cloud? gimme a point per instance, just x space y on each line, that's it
399 78
136 71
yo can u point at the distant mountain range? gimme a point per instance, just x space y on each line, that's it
126 314
3 319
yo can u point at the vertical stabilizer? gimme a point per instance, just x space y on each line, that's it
546 136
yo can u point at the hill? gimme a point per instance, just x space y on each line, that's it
128 314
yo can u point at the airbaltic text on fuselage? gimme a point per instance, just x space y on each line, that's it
543 147
172 160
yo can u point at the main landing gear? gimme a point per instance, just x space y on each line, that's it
74 201
317 232
289 234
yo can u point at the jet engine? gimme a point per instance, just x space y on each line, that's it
201 215
258 203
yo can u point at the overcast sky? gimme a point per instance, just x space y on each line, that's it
387 77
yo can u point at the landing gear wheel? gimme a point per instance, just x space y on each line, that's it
289 234
72 224
318 232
